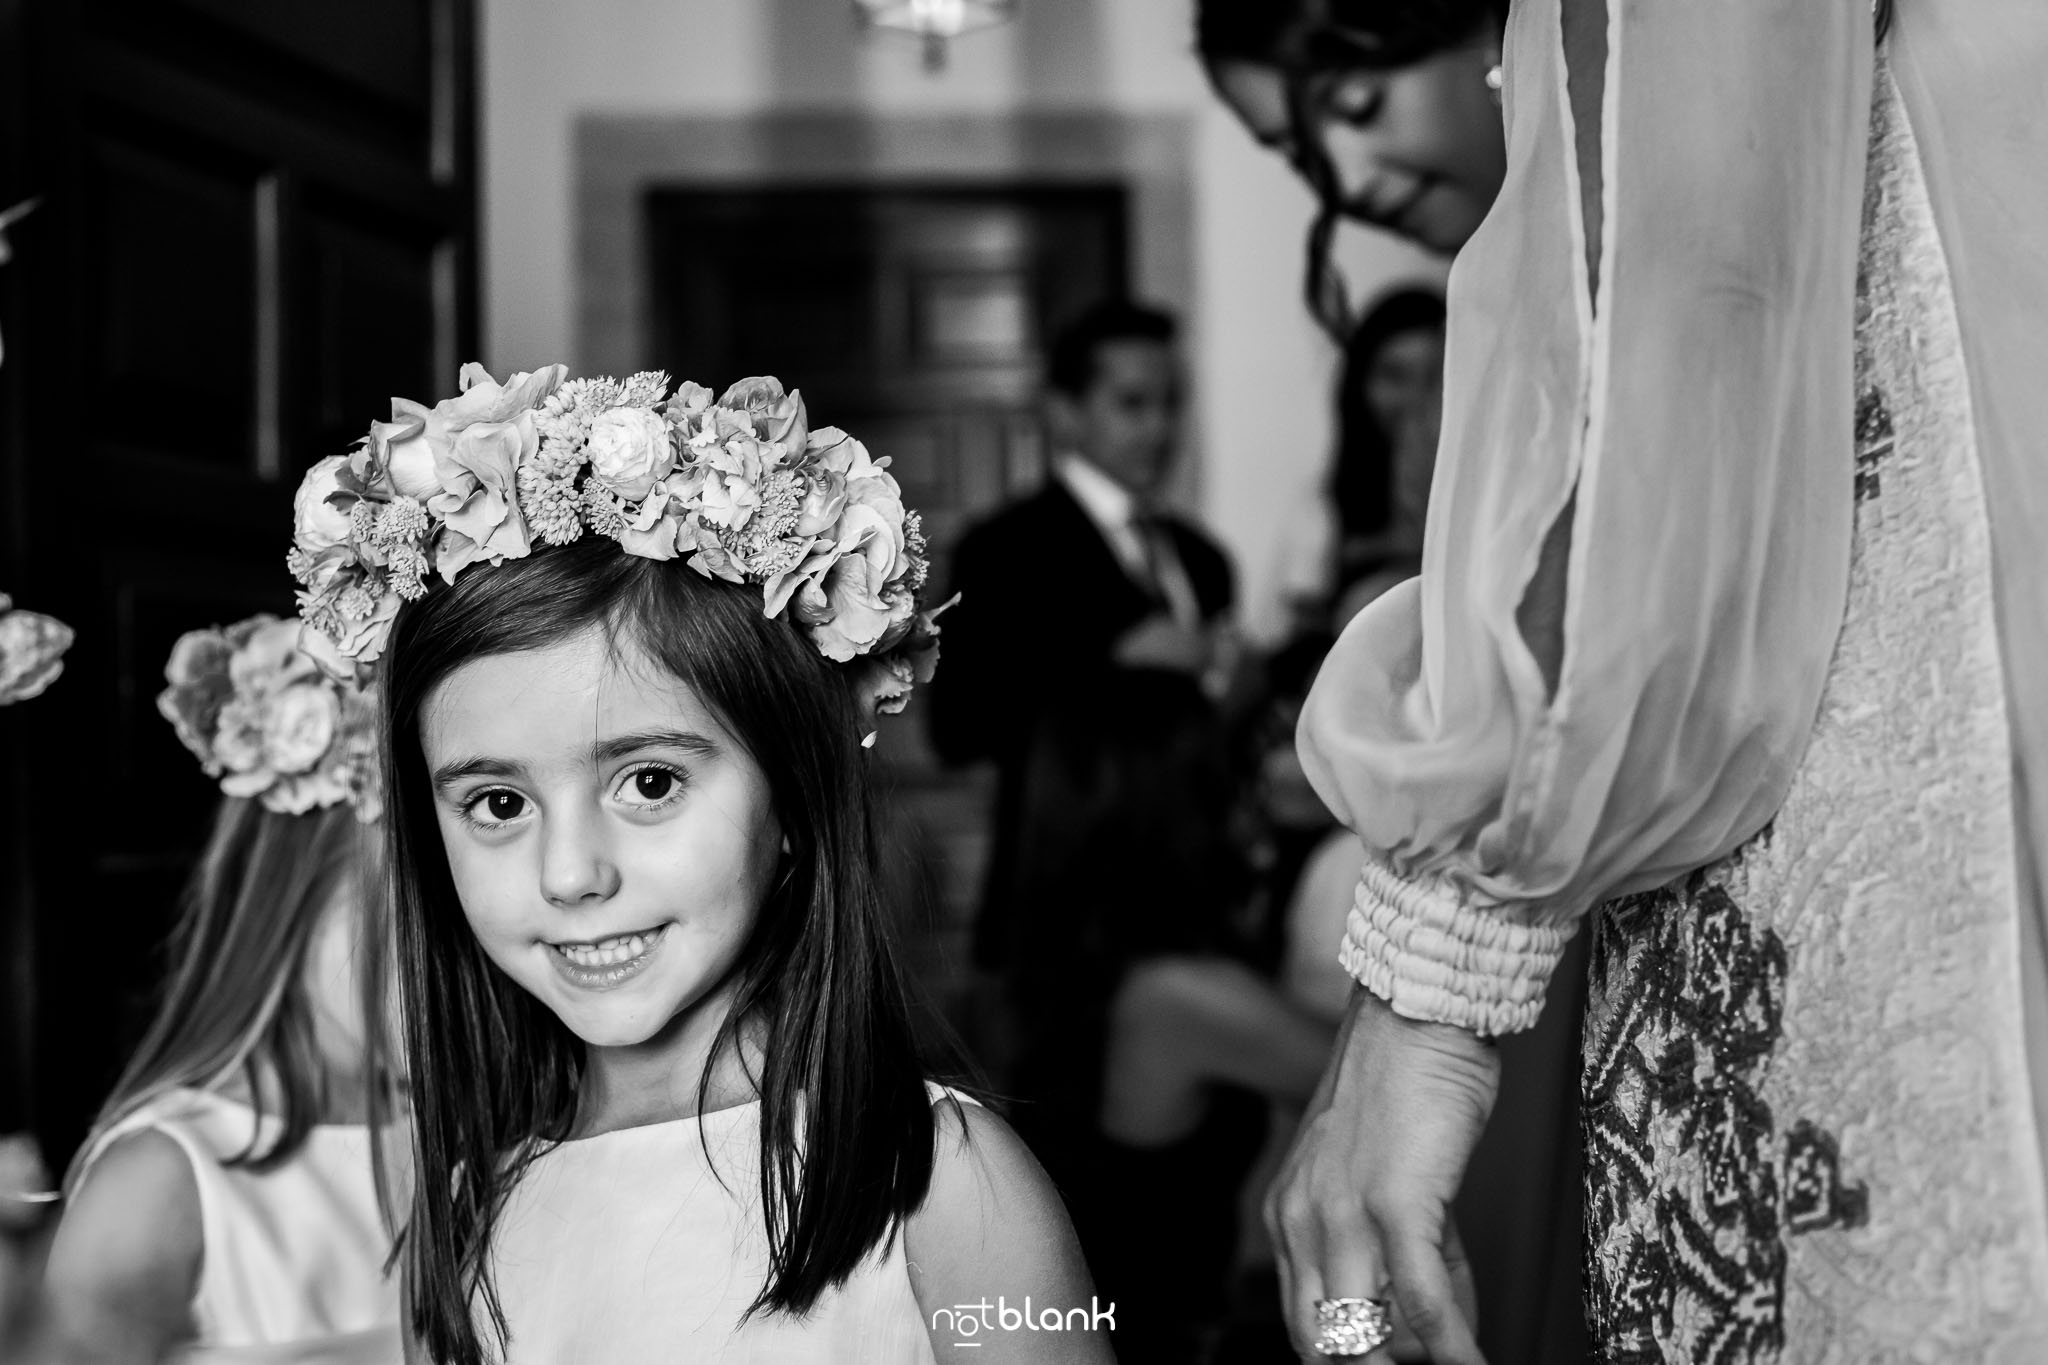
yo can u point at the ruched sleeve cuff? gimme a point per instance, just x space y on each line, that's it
1418 945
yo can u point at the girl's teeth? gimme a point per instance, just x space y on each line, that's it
609 952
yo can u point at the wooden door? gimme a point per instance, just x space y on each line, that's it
258 223
915 318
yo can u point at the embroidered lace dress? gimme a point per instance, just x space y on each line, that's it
1799 728
293 1267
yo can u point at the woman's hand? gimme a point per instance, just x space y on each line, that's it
1362 1208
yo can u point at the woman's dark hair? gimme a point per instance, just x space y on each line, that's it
233 999
494 1073
1322 35
1362 480
1254 31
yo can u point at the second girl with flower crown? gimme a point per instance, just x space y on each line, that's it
223 1207
667 1102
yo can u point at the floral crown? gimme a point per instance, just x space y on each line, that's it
741 486
269 722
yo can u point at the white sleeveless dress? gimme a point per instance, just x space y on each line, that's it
293 1270
644 1246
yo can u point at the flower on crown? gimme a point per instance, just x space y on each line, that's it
32 649
741 487
266 720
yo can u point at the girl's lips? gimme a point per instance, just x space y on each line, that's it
609 962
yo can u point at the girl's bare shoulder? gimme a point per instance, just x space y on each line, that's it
131 1242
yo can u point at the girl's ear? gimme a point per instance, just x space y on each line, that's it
785 846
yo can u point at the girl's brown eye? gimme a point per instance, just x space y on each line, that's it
504 805
655 784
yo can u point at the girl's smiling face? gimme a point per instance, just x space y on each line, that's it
611 842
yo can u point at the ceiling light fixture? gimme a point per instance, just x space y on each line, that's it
937 22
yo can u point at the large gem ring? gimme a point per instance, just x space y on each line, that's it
1346 1328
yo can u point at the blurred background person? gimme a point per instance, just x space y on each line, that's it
1088 577
1151 1038
224 1205
1389 413
1365 525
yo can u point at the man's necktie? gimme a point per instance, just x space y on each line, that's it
1169 577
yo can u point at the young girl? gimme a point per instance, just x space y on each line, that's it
223 1206
667 1102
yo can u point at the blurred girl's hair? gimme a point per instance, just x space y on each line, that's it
234 1001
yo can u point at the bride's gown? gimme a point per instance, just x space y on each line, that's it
1802 722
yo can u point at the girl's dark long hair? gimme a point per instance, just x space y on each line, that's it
232 1001
494 1074
1362 478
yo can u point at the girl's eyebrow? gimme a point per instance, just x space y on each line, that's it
448 774
689 741
604 751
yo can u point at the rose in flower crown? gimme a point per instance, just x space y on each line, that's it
269 722
741 487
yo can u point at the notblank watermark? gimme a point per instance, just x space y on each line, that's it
970 1320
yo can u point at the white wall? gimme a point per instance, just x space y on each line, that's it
1261 370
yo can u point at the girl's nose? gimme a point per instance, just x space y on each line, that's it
576 863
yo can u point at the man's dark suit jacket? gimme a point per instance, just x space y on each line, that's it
1043 601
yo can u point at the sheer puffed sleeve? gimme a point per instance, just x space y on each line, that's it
1691 441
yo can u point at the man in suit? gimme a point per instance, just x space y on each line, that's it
1087 574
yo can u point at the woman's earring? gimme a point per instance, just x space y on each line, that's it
1495 78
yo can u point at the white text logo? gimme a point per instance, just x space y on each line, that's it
969 1320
